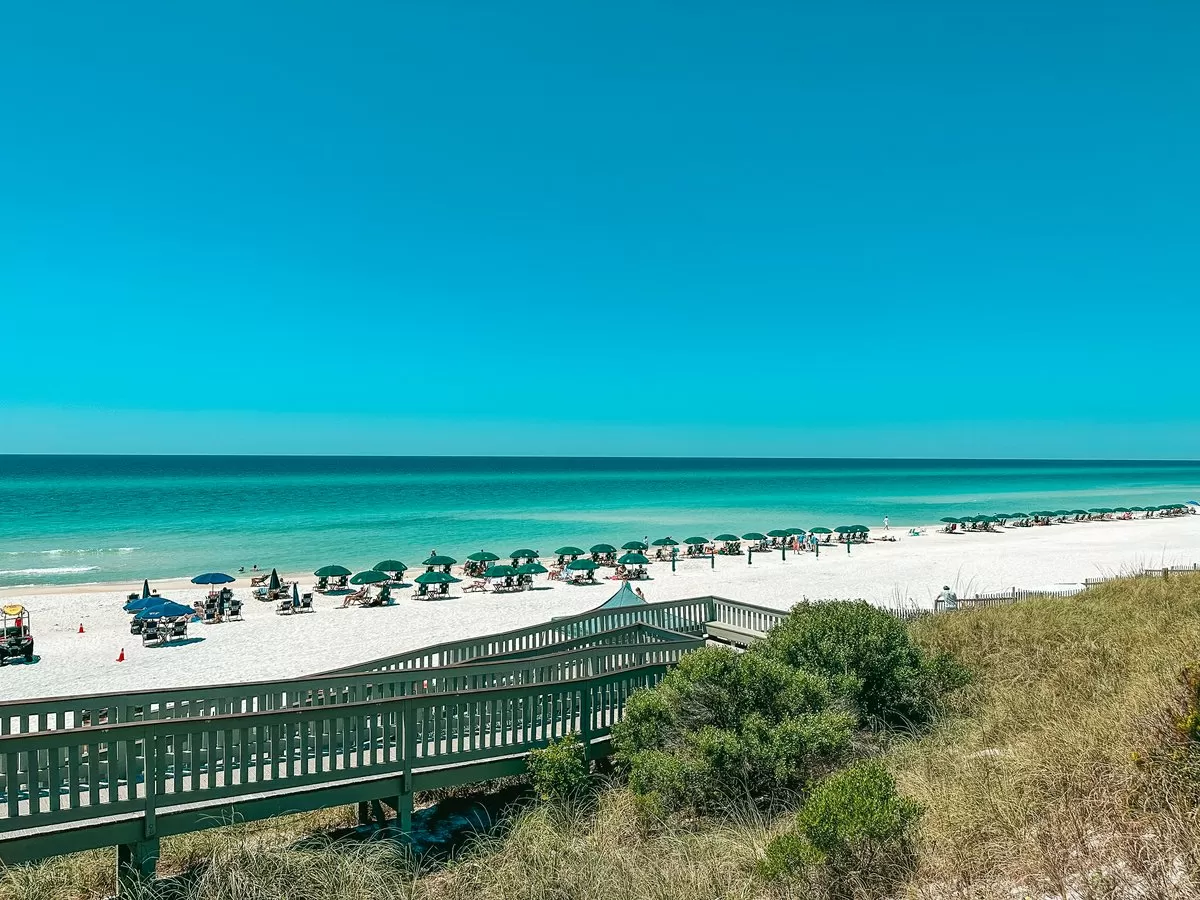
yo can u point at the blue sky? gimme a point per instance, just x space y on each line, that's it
863 228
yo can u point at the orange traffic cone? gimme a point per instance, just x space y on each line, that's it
121 658
81 628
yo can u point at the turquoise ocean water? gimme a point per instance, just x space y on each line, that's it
74 519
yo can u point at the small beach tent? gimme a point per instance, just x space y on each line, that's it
213 578
390 565
622 598
637 546
273 584
371 576
500 572
331 572
165 609
145 589
483 556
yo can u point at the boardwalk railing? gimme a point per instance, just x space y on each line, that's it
631 645
191 768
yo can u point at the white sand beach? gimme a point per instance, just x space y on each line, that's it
268 646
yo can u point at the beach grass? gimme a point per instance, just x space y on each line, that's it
1061 771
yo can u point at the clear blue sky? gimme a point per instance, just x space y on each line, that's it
860 228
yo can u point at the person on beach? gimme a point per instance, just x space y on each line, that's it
948 599
638 591
885 524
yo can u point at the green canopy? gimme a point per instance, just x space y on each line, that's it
695 540
634 545
273 584
633 559
665 542
1079 512
844 529
568 551
582 565
819 530
483 556
862 529
778 532
793 531
1062 512
371 576
754 536
500 572
436 578
1122 509
603 548
532 568
950 520
623 597
727 537
440 561
390 565
331 572
524 553
1137 509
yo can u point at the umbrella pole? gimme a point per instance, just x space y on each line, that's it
749 556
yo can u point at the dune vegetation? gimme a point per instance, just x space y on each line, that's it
1066 765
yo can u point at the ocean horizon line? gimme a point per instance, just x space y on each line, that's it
651 457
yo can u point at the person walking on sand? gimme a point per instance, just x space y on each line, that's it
885 524
947 598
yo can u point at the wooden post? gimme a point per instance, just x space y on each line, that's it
136 865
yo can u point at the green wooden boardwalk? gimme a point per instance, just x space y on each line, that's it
125 770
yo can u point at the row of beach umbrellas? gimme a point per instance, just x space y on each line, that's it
1058 513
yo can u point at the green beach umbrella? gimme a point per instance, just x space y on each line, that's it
603 548
436 578
146 589
778 532
1122 509
819 530
582 565
695 540
795 531
844 529
440 561
331 572
371 576
950 520
273 582
726 537
1079 512
483 556
634 545
665 542
390 565
500 572
862 529
754 536
524 553
532 568
633 559
568 551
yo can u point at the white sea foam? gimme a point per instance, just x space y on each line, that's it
54 570
58 551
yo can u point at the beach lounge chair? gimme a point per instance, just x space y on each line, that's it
285 607
322 585
422 592
210 609
256 580
235 608
179 628
306 602
150 632
477 585
136 626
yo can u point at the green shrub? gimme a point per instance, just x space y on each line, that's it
559 771
726 726
854 822
867 656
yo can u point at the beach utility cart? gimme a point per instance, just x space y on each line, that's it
17 636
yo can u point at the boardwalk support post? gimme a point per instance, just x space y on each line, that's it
136 866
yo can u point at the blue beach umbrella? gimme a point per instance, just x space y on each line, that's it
165 609
142 603
213 578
